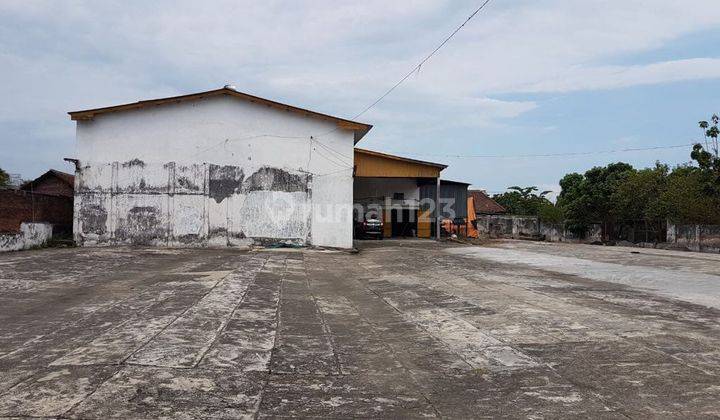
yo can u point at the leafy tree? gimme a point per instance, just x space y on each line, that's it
587 198
639 196
707 156
686 198
551 213
4 178
523 200
573 202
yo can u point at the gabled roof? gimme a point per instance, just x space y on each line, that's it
484 204
62 176
359 128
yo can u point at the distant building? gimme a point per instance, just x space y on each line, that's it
484 205
52 182
404 191
46 199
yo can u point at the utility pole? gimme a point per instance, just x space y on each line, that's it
437 209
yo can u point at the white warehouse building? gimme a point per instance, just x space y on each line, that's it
216 168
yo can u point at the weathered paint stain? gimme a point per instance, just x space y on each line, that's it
138 216
94 219
224 181
275 179
217 231
142 226
190 238
185 182
31 235
237 235
134 162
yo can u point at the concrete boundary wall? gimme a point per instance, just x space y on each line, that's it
520 227
699 238
31 235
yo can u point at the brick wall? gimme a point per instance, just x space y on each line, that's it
18 206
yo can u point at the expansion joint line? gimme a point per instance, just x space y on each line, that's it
275 340
326 329
142 346
225 323
394 352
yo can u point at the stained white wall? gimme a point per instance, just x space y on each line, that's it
153 170
31 235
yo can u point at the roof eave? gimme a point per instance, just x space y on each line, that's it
400 158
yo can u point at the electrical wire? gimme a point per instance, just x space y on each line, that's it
541 155
373 104
339 155
332 160
419 65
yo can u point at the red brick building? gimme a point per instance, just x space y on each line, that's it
48 198
52 182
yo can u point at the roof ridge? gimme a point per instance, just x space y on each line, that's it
359 128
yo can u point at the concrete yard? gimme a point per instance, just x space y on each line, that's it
402 329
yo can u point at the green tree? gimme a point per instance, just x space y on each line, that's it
639 196
523 200
587 198
551 213
686 198
707 155
573 201
4 178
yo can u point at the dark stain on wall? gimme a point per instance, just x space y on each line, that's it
141 226
185 182
134 162
224 181
147 225
190 238
94 219
217 231
278 242
275 179
237 235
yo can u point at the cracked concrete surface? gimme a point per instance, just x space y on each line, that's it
403 329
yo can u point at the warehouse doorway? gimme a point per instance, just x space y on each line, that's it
404 223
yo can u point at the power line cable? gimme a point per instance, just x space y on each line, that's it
564 154
339 155
414 69
417 67
377 101
332 160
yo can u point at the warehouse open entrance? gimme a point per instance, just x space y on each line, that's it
399 191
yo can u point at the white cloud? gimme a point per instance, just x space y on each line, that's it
612 77
336 56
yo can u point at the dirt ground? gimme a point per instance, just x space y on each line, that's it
402 329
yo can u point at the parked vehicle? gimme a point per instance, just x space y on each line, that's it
369 228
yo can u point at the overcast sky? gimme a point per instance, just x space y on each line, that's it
523 77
